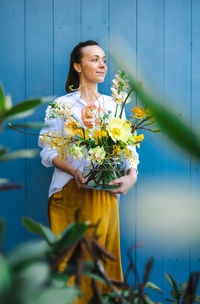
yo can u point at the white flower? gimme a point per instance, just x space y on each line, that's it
77 152
97 155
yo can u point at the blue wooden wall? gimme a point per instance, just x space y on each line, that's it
36 40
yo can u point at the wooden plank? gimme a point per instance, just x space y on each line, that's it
195 118
95 27
12 76
150 52
177 91
123 22
67 34
39 82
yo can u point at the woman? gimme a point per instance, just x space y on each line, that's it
67 190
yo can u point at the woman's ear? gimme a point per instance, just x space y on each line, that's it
77 67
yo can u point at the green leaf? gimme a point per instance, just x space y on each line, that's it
65 295
8 102
72 233
148 301
3 151
40 229
33 276
24 109
153 286
197 299
5 276
3 181
2 105
178 131
95 276
28 125
172 282
19 154
183 287
27 252
58 280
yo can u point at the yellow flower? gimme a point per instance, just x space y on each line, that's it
72 128
119 129
138 138
87 132
98 134
139 112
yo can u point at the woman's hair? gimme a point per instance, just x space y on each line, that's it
73 78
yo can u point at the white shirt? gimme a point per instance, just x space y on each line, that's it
61 178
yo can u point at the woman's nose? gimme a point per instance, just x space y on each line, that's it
102 63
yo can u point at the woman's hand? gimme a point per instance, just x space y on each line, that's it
125 182
79 179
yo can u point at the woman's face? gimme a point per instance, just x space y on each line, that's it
93 64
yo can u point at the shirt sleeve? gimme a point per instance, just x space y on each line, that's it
47 153
135 162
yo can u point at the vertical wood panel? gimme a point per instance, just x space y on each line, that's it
39 82
34 60
95 27
150 44
12 77
67 33
177 80
195 117
120 13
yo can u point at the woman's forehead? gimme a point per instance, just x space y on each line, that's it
92 50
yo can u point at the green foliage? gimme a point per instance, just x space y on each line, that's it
9 111
183 291
176 129
40 229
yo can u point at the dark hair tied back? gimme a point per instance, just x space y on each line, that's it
73 79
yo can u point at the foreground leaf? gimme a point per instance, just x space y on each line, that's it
178 131
5 276
65 295
1 99
27 252
72 233
40 229
153 286
19 154
33 276
24 109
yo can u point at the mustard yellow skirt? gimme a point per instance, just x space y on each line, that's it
94 204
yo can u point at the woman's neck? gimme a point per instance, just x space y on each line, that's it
89 93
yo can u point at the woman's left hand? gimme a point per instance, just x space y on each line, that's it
125 182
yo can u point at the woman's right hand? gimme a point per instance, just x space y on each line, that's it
79 179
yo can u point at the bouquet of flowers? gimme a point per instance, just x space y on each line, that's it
103 140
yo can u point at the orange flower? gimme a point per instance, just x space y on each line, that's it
72 128
91 114
139 112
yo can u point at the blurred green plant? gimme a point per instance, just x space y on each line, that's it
176 129
8 112
184 291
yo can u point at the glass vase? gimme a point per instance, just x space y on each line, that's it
99 176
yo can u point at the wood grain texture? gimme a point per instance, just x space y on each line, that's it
38 37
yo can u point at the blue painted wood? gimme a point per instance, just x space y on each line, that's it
177 83
38 37
118 26
67 33
150 52
195 117
12 76
39 82
95 27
